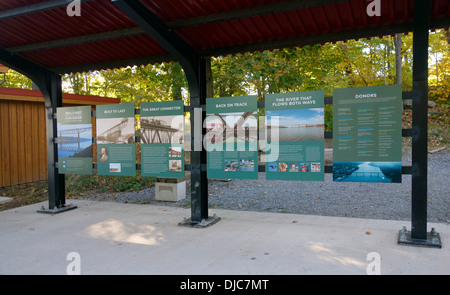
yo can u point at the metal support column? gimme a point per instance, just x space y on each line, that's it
50 85
195 70
199 180
418 235
52 91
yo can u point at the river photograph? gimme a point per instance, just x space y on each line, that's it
73 139
379 172
296 125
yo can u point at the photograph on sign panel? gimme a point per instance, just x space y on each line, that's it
74 140
115 130
232 127
381 172
296 125
175 165
162 129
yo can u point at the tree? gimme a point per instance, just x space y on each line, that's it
398 59
439 69
364 62
157 82
14 79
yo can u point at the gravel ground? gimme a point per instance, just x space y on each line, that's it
361 200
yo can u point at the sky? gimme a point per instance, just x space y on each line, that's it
298 117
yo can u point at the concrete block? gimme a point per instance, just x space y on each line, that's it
4 200
172 192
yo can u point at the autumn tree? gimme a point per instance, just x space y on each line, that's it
364 62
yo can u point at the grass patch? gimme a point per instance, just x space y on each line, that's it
81 185
77 186
24 194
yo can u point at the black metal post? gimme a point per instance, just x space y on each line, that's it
420 121
56 182
195 70
199 180
49 84
418 235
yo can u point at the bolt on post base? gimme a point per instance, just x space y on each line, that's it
57 210
433 239
200 224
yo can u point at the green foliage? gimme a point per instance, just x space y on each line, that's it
78 184
328 117
364 62
159 82
14 79
439 68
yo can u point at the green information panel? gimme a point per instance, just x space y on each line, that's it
74 127
367 134
295 131
231 137
162 139
116 150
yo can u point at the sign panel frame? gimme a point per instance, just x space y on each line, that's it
162 139
74 129
367 134
116 149
231 137
295 128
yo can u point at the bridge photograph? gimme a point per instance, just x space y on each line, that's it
162 129
115 130
296 125
232 127
74 139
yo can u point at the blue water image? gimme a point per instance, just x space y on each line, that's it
74 140
380 172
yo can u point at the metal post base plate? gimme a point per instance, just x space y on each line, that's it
56 210
433 239
200 224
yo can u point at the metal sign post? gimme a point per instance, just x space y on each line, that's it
418 235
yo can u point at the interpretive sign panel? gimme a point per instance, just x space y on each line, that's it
231 137
74 128
296 121
162 139
367 134
116 151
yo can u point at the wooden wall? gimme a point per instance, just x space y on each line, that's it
23 150
23 146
